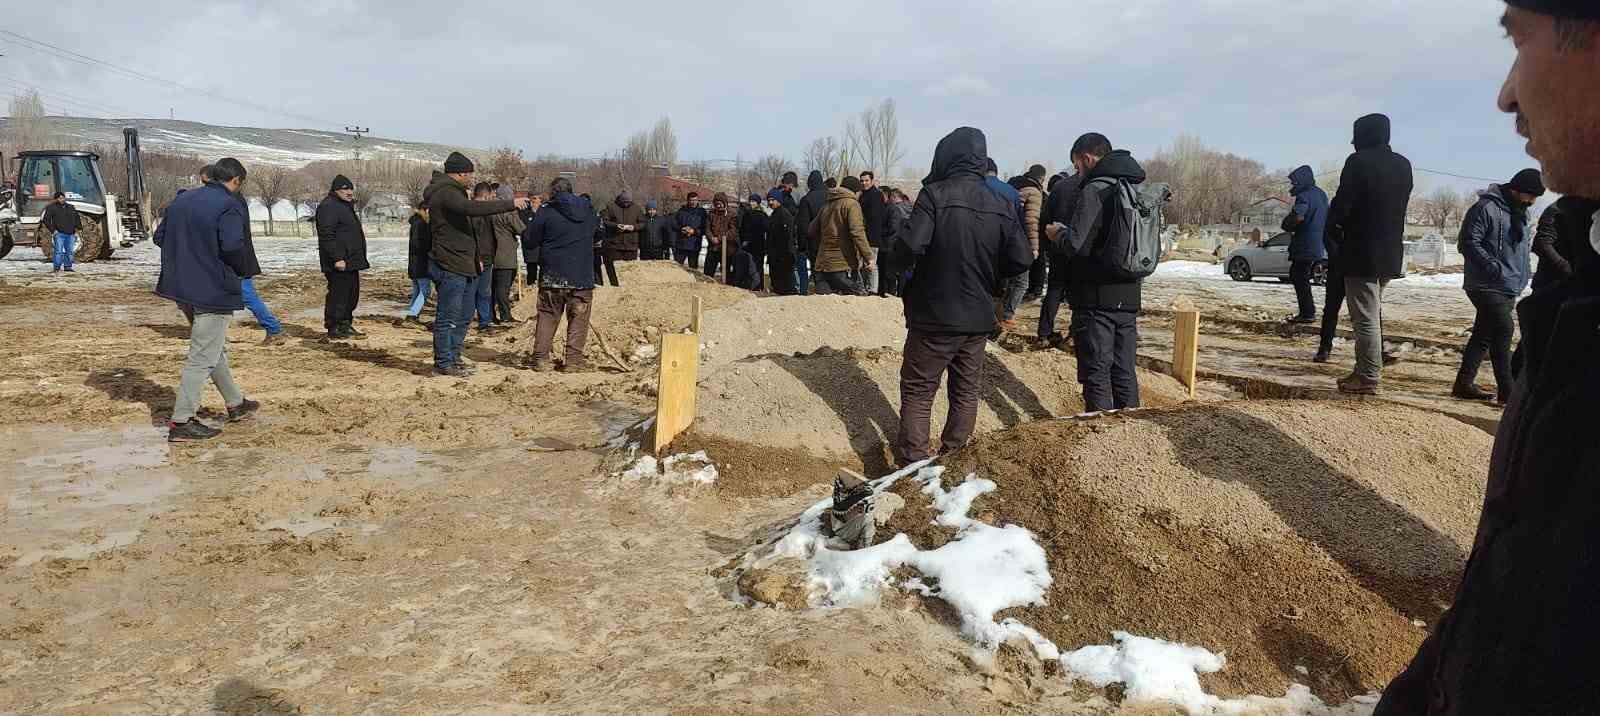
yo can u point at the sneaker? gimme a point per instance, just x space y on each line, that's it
1056 341
454 371
243 411
465 367
1324 355
189 431
337 335
69 270
1356 385
1032 297
1471 392
414 322
274 339
1300 320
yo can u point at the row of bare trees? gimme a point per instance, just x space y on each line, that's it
869 142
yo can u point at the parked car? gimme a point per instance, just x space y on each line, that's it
1269 260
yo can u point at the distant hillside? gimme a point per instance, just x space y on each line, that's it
284 147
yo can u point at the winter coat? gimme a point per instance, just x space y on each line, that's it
1367 219
1059 208
692 217
1522 634
1311 208
872 212
810 206
61 218
456 246
203 250
723 228
507 228
964 239
841 234
1093 283
419 245
753 232
563 234
1494 240
781 233
1562 241
340 236
896 223
658 235
614 215
1007 192
1032 208
252 267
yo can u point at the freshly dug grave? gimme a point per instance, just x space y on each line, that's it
1322 536
799 324
845 404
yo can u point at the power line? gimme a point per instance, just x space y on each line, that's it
59 97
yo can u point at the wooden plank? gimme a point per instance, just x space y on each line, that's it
1186 347
675 394
697 312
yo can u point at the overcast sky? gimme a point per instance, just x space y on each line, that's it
1279 82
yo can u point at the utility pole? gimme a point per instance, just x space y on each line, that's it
357 132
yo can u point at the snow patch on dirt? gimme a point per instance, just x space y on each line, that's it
689 468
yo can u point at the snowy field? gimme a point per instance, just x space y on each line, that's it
278 257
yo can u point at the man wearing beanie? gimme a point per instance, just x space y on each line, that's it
1496 243
1522 635
458 257
753 240
781 241
342 248
840 235
1368 217
655 243
623 221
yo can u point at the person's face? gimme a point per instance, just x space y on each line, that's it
535 201
772 204
867 182
1522 198
347 194
719 205
650 213
1553 88
60 200
464 177
694 200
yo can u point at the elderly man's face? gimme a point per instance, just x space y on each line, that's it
1554 89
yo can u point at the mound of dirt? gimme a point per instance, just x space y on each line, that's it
844 405
1311 542
800 324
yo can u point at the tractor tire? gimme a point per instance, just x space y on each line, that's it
90 246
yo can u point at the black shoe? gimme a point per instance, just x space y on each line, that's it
1471 392
454 371
243 411
1323 356
190 431
351 332
1056 341
1300 320
338 335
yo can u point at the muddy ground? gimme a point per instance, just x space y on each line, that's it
386 541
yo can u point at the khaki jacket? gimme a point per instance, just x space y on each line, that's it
842 233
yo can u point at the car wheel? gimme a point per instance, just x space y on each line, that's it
1239 269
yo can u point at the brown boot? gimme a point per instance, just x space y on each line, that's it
575 366
1357 385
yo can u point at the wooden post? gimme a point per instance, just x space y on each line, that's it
1186 348
675 394
696 316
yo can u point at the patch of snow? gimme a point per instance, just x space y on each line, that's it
1192 269
694 468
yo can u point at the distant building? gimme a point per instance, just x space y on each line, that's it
1268 212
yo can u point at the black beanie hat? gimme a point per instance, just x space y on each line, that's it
1580 9
458 163
341 182
850 184
1527 181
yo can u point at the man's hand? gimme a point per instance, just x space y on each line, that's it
1053 231
339 265
520 202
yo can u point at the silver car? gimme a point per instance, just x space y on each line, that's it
1269 260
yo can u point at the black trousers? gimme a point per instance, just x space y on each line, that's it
783 274
1300 275
713 263
1332 303
602 258
761 272
1107 343
1038 275
1055 293
836 282
1491 334
344 292
684 256
503 279
890 274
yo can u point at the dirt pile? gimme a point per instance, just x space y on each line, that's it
800 324
1311 542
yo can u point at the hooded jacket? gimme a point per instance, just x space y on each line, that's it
1495 242
456 246
753 231
340 236
563 235
964 240
1032 193
841 233
623 213
1562 240
1367 219
1311 208
204 252
781 234
657 238
872 211
810 206
1093 285
723 224
418 244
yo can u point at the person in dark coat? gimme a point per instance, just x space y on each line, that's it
530 262
788 184
1368 217
896 221
419 243
460 255
655 242
203 255
563 232
62 222
806 211
624 222
965 241
873 209
1522 635
1562 240
342 249
1307 220
753 238
781 243
689 225
1063 201
1495 242
507 228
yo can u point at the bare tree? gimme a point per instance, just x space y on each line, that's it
272 185
1443 208
886 137
1210 187
26 126
823 155
507 166
768 170
662 147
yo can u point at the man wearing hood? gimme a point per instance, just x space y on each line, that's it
655 242
781 242
723 231
1496 243
342 248
841 239
1306 249
460 254
563 232
1368 220
1105 306
1522 634
689 226
753 238
965 240
624 222
809 207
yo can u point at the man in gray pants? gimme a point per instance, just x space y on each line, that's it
203 254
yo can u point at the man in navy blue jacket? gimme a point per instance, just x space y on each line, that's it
563 234
1306 249
203 254
1496 243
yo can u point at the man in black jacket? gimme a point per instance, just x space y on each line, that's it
873 210
965 241
459 256
342 249
1062 201
62 222
1562 241
1105 307
781 243
1368 220
753 238
809 207
1522 634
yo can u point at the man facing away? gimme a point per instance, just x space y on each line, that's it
1030 191
805 212
342 250
563 232
1307 220
1496 244
61 220
460 255
841 240
1019 284
203 254
965 240
1368 217
891 263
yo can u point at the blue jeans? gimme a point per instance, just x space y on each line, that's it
258 307
62 258
484 298
420 287
452 315
802 274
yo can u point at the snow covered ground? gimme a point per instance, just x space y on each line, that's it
142 262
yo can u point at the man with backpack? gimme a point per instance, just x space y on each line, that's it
1112 241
